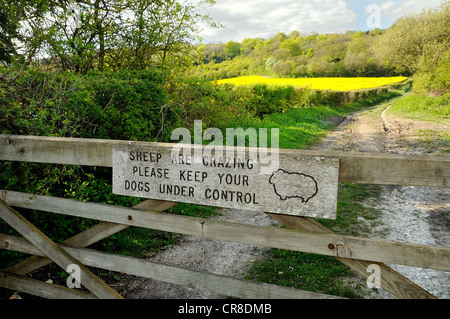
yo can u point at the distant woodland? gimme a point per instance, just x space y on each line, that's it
115 35
417 44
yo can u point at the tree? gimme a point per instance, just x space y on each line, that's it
21 38
293 45
270 62
416 40
232 49
80 36
419 44
248 45
357 55
102 34
283 68
214 53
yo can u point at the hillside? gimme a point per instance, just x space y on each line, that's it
425 55
295 55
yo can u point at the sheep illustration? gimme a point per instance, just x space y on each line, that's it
293 185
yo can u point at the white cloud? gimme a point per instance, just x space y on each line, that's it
394 10
264 18
257 18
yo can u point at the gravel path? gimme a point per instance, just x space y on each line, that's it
209 255
419 215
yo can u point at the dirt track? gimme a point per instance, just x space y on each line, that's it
411 214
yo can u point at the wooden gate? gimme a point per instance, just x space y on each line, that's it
302 233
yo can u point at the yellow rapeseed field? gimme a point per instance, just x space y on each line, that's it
335 84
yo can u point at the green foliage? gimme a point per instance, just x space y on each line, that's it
130 105
122 105
434 79
127 105
80 36
340 98
266 99
203 100
232 49
422 45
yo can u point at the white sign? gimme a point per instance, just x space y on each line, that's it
299 185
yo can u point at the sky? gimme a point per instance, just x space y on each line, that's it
264 18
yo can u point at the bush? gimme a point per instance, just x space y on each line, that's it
339 98
214 104
128 105
270 99
217 105
124 105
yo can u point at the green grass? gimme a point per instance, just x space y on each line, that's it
351 211
434 141
431 109
137 242
421 107
302 127
304 271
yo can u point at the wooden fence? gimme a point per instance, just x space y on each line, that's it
302 234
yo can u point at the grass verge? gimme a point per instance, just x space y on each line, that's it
422 107
435 138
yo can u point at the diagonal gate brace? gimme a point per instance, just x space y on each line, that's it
392 281
87 237
55 252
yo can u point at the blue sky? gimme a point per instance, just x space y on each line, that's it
257 18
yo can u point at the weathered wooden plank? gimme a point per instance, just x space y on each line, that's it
53 251
390 280
40 288
77 151
87 237
343 246
370 168
190 278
